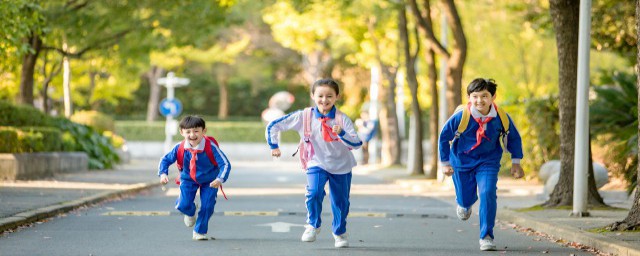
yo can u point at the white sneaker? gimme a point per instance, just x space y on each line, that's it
341 240
189 220
198 236
463 213
310 233
486 244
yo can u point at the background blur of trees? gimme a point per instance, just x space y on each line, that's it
237 53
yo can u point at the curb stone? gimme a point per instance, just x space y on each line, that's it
565 232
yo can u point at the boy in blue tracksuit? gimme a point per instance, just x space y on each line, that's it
198 171
474 157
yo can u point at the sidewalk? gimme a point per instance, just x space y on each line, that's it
25 202
518 194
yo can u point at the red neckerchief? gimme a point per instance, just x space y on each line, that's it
480 132
327 132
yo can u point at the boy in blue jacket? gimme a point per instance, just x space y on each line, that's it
204 167
473 156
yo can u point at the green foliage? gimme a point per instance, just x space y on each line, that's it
98 121
537 121
101 153
116 140
9 138
39 139
224 131
616 108
21 115
30 139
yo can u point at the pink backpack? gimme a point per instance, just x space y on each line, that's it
305 147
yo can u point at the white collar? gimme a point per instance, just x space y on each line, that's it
200 146
476 114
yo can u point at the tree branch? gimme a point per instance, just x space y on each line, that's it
106 42
427 28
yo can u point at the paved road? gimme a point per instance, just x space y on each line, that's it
264 216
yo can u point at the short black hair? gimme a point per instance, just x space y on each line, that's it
189 122
328 82
481 84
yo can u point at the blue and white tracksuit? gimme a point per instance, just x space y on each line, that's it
206 173
331 162
476 171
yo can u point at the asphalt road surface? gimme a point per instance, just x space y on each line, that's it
265 215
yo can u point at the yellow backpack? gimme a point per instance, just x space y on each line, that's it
466 115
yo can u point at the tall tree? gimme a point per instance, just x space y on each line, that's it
456 57
391 141
415 160
425 24
632 221
565 17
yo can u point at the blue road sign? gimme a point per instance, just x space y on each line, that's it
171 107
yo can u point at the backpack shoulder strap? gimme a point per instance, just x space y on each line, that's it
466 115
180 156
209 150
306 122
503 118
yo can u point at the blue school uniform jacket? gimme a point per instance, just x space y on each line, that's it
456 153
206 172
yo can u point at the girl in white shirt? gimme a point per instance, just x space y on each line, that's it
330 159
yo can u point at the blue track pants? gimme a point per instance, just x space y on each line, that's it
185 203
479 181
339 187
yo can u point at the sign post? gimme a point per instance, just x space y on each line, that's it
171 107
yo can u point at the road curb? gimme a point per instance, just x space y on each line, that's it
34 215
568 233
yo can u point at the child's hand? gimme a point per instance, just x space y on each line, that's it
447 170
276 152
216 183
516 171
164 179
337 129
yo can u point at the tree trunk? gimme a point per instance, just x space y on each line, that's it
389 129
28 69
426 25
458 56
432 172
593 196
154 93
415 161
632 221
223 86
55 70
565 22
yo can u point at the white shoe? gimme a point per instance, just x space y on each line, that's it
486 244
198 236
463 213
189 220
341 240
310 234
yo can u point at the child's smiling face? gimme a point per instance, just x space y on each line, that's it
324 97
482 101
193 135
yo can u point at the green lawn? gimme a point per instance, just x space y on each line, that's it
237 131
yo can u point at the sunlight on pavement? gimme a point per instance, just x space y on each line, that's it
68 185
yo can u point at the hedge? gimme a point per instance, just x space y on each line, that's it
30 139
224 131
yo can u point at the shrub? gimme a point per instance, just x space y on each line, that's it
9 140
21 115
101 153
40 139
116 140
98 121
